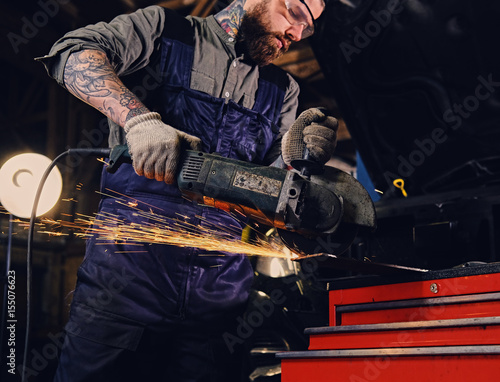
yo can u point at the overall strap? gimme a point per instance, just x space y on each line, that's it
273 82
177 52
178 27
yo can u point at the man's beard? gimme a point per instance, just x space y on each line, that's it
258 39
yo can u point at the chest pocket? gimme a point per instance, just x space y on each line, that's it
246 134
202 82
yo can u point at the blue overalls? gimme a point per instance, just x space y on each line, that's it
164 306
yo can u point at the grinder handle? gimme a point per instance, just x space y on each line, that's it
118 154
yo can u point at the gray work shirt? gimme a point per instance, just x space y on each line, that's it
132 41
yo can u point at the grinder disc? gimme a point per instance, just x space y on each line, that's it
334 243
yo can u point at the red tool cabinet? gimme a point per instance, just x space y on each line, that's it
436 326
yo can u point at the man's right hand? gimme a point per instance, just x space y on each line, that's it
155 147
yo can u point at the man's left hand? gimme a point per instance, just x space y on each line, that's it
320 136
319 132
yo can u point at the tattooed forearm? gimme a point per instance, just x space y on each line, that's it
132 103
89 76
86 72
230 17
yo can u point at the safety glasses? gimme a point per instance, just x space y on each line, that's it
300 14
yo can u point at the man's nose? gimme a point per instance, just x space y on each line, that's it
294 32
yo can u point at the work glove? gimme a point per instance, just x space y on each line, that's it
314 130
155 147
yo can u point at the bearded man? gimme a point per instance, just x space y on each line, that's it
166 83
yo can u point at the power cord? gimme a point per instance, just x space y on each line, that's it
98 152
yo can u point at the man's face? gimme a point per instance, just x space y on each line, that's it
268 28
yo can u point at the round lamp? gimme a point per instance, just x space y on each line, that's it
19 179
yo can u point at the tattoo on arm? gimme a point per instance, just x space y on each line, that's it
131 102
86 72
89 76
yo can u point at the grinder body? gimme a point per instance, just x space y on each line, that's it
269 195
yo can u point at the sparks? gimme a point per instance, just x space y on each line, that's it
155 228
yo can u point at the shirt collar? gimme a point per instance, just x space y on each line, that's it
219 31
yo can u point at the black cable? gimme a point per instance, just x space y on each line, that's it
29 255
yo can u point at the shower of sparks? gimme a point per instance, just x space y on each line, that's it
154 228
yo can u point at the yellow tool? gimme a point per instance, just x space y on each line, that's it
400 183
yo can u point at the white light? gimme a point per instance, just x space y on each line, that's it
19 179
276 268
